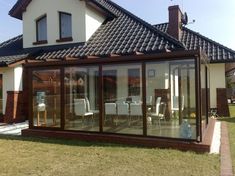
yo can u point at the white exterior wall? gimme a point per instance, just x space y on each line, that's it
84 21
93 21
217 80
8 85
18 78
12 81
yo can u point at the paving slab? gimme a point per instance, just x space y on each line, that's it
13 129
226 168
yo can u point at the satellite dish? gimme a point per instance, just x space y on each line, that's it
185 19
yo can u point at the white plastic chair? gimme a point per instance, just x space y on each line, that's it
81 109
159 113
89 107
123 108
110 109
136 109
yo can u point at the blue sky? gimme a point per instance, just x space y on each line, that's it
214 18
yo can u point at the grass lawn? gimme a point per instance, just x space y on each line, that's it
232 110
37 156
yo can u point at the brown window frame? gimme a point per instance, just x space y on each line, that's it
195 55
39 42
64 39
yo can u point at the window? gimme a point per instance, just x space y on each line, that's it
46 98
110 85
65 26
81 107
122 99
134 82
41 25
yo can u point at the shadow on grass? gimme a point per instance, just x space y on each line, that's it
69 142
227 119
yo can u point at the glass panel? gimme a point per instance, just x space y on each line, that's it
42 29
46 98
208 92
81 98
170 99
123 99
1 95
203 94
66 25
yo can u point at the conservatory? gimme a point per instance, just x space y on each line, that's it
120 99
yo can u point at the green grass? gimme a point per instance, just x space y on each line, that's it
232 110
38 156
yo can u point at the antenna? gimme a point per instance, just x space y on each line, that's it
192 22
184 19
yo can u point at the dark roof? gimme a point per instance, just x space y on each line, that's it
21 5
216 52
124 34
18 8
12 50
12 46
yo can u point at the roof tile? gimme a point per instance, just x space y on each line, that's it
193 40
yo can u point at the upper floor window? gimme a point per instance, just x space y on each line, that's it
41 25
65 25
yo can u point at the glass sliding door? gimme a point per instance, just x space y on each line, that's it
81 98
158 99
108 97
46 98
170 99
122 90
1 95
204 95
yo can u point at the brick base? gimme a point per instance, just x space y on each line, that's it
14 107
222 102
199 147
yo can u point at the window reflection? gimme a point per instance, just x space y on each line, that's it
122 88
46 98
81 98
170 99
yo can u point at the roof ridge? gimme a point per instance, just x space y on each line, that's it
146 24
210 40
201 36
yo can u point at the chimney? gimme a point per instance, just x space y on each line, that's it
175 22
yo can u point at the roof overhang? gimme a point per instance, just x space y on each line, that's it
18 9
185 54
21 5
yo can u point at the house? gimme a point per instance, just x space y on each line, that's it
220 56
94 71
230 81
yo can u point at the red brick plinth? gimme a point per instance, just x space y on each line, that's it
127 139
14 107
222 102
